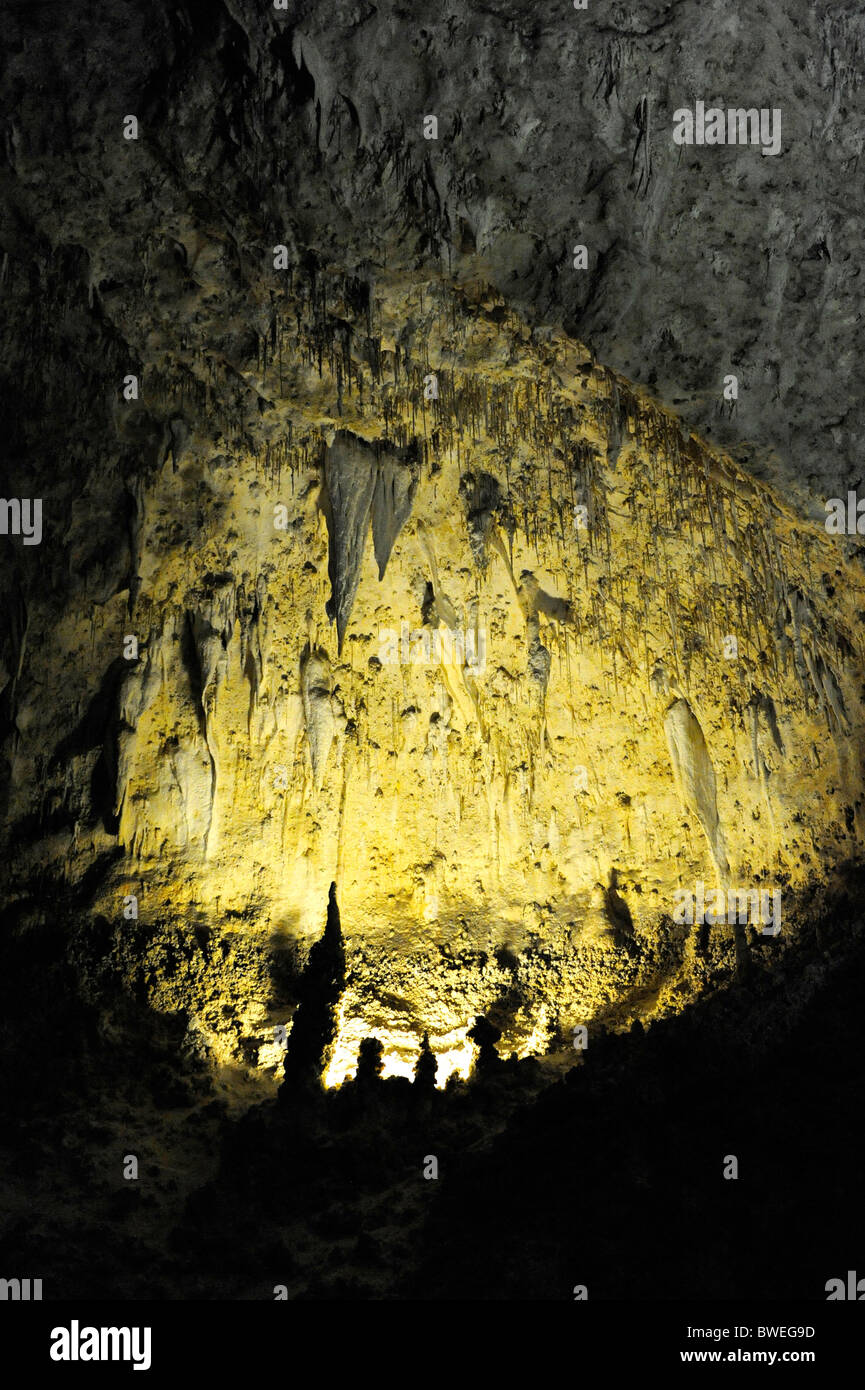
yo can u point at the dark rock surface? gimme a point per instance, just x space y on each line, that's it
154 257
304 127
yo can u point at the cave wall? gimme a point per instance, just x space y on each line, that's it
371 391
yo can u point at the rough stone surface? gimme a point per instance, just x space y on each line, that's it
282 491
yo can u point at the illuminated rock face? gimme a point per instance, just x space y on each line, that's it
478 634
428 602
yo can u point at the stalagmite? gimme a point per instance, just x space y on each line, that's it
317 691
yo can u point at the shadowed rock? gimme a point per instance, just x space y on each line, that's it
395 487
350 475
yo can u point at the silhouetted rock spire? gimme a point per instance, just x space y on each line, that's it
314 1027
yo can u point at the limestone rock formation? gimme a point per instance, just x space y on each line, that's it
668 691
511 662
696 777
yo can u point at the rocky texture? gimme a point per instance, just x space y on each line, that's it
304 127
502 831
610 1178
696 778
281 261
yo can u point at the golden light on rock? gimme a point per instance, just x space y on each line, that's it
455 1054
657 680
